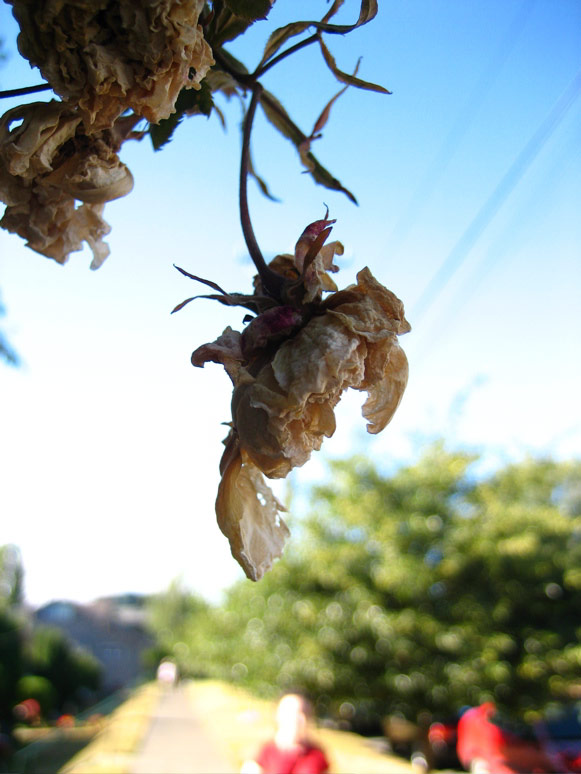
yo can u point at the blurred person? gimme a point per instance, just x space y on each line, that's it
291 751
167 672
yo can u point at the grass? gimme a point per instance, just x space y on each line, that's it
47 750
112 750
237 721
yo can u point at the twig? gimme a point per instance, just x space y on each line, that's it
271 280
25 90
297 46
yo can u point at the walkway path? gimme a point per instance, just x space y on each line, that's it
176 742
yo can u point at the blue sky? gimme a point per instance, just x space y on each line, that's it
468 178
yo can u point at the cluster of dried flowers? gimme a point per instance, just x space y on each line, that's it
115 62
289 368
102 58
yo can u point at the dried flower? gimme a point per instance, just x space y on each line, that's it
46 162
109 56
289 369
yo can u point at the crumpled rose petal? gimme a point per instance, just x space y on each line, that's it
290 367
54 227
28 149
249 515
46 162
107 56
94 175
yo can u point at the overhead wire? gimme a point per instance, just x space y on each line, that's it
487 262
463 122
505 187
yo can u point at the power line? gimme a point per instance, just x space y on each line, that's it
487 262
502 191
465 117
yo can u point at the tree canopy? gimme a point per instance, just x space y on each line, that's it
37 662
419 592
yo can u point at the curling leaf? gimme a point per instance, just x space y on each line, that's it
281 120
350 80
260 182
367 12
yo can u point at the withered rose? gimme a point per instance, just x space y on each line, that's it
106 56
289 369
46 163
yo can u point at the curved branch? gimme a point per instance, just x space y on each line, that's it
25 90
297 46
271 280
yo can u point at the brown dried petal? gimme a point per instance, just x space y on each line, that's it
27 150
286 412
107 56
225 350
368 308
92 177
53 226
46 163
386 376
249 515
30 137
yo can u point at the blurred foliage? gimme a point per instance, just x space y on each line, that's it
70 670
11 576
7 353
40 659
419 592
10 664
170 619
39 688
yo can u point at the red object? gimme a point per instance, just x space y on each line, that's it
27 711
497 750
306 759
65 721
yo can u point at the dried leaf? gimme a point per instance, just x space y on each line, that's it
350 80
367 12
332 10
326 112
209 283
280 119
260 182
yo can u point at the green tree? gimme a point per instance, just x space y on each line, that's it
10 664
423 591
70 670
11 576
172 617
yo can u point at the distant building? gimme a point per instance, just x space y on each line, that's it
112 629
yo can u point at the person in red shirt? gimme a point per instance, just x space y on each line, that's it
291 751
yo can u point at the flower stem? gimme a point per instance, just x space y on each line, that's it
25 90
271 280
306 42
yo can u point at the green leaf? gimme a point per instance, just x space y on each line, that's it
249 9
235 18
280 119
367 12
350 80
189 101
